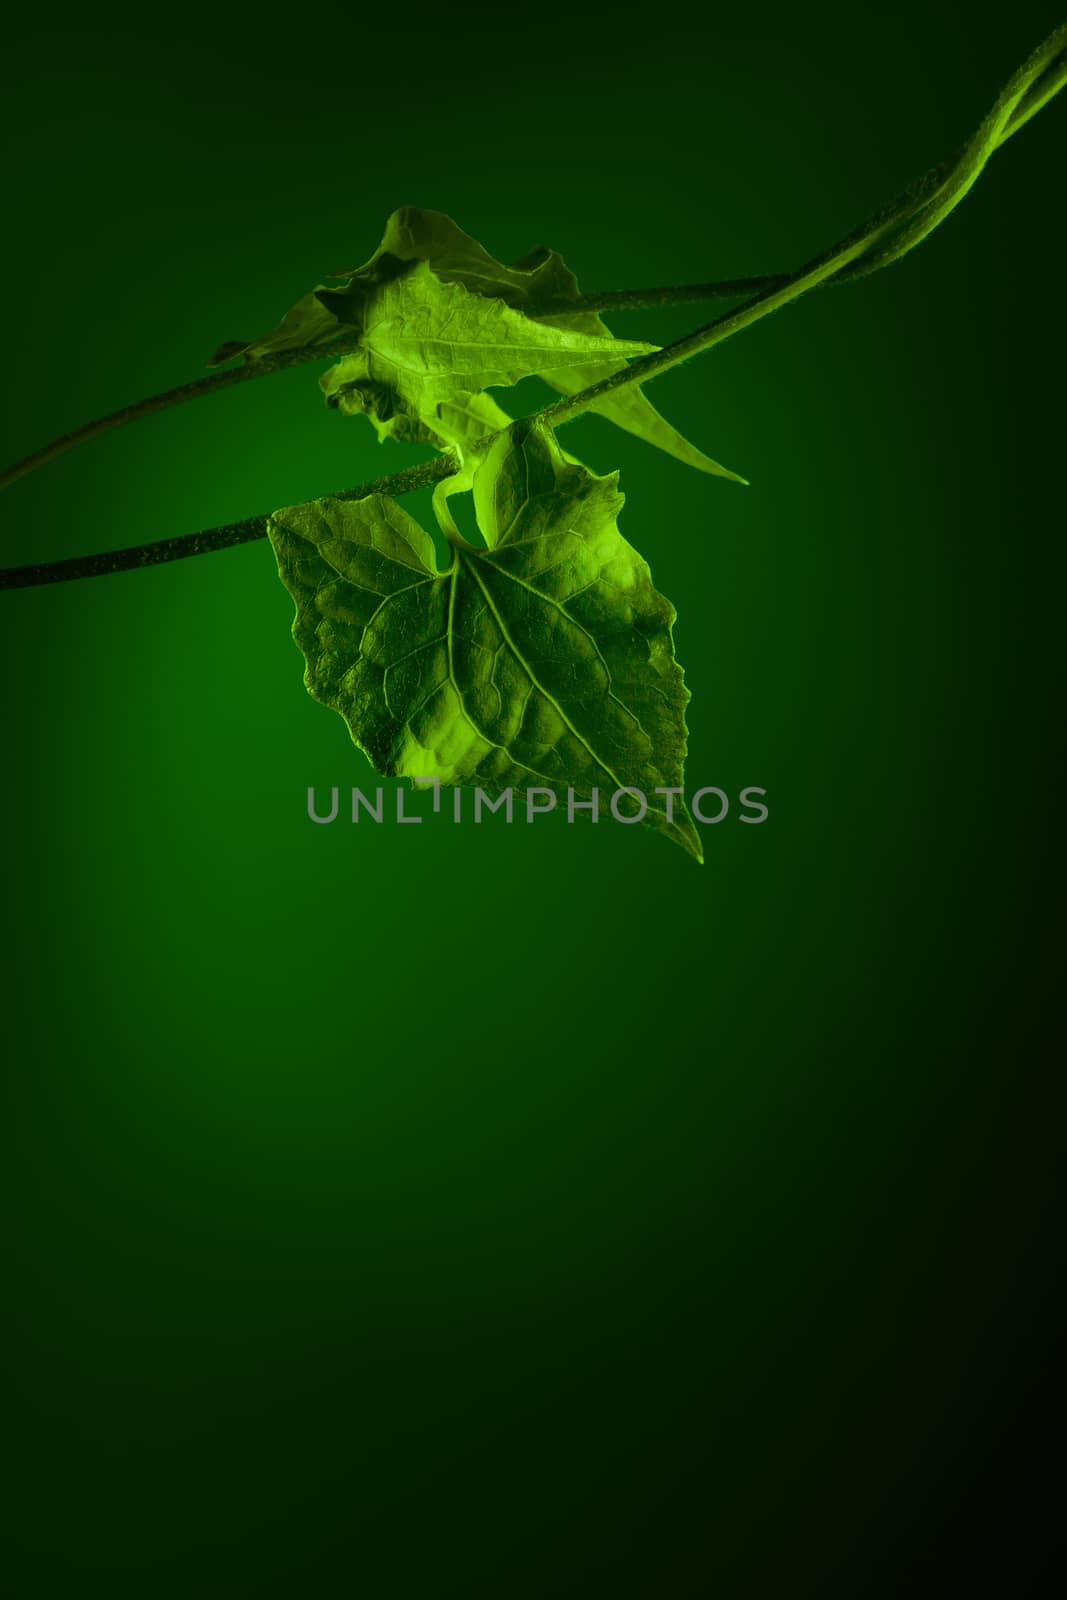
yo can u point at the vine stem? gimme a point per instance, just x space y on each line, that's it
208 539
896 229
887 236
147 408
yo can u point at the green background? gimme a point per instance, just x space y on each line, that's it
528 1211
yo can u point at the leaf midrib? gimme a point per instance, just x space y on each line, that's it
468 565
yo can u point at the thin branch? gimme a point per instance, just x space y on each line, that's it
201 544
1045 76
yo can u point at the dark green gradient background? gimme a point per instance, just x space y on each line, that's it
526 1211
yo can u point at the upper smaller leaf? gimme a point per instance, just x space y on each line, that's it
424 340
538 290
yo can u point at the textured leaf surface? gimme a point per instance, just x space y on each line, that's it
542 276
423 339
545 660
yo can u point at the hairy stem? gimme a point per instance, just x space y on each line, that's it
1047 74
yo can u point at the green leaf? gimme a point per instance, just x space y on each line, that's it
423 339
544 661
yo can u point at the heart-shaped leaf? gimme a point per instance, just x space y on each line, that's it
544 661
